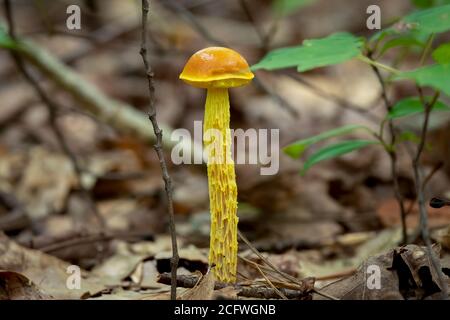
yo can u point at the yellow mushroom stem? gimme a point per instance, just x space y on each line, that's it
222 185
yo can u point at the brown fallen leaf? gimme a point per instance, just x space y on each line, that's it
117 267
405 273
48 273
46 182
227 293
425 280
355 287
203 290
15 286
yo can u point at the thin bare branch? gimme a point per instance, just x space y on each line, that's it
428 106
392 153
159 151
189 281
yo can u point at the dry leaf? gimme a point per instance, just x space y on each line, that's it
203 290
46 183
47 272
15 286
405 273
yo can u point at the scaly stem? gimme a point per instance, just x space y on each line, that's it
222 185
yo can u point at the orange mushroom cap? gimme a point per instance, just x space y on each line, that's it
216 67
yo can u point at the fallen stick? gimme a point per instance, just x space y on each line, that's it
189 281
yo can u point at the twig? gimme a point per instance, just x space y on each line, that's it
52 112
427 48
267 269
428 106
267 279
189 281
341 274
377 64
158 148
281 273
430 175
391 152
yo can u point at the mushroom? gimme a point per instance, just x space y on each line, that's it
217 69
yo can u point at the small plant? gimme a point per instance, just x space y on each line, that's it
414 33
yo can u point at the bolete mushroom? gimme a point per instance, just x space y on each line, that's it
217 69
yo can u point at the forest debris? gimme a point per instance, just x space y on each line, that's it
46 182
47 272
190 253
161 243
12 165
405 273
355 286
15 286
385 240
227 293
203 290
189 281
16 217
115 269
120 293
117 213
423 273
146 275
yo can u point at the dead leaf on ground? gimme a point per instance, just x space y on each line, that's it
46 182
47 272
405 273
203 290
227 293
115 269
15 286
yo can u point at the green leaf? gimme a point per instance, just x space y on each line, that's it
429 3
285 7
413 105
409 136
442 54
436 76
432 20
5 41
404 41
336 48
296 149
335 150
423 3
